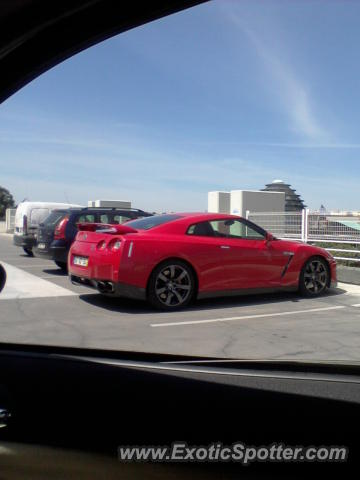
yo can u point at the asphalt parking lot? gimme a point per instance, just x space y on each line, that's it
40 306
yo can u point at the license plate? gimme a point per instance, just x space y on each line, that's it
41 246
82 261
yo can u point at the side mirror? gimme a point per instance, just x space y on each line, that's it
269 237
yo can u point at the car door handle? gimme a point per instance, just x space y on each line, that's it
224 246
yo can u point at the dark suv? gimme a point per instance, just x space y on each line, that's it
56 234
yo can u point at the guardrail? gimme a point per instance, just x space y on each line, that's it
335 232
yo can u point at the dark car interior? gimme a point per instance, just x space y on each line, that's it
65 411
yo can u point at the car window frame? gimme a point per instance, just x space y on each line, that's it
244 221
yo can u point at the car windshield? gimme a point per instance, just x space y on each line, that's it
151 222
243 114
54 217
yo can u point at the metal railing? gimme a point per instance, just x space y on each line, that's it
339 234
285 224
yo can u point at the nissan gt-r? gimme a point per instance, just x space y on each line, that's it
172 259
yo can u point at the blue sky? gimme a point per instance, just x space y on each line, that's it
227 95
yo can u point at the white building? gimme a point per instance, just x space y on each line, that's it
256 201
237 202
109 204
219 202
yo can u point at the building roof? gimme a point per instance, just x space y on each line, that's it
293 201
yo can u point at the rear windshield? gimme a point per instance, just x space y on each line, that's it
38 215
54 218
150 222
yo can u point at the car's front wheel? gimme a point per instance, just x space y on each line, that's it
171 285
314 277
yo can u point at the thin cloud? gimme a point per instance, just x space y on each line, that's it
307 146
293 95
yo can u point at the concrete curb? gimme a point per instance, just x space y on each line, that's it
348 274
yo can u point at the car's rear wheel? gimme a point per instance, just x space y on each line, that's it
171 285
62 265
28 251
314 277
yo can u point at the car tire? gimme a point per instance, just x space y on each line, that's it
62 265
314 277
171 285
28 251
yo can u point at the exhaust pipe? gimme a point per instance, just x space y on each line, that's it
105 287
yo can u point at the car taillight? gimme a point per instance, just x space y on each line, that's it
25 225
59 232
115 244
101 245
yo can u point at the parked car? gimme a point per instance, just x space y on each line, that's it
28 216
58 231
172 259
46 232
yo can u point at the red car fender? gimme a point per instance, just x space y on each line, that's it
302 254
146 254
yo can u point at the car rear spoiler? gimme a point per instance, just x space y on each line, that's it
106 228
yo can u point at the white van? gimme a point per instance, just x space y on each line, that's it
27 219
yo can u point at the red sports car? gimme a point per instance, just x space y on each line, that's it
172 259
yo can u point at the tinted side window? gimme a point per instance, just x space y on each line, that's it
202 229
236 229
120 219
104 218
86 218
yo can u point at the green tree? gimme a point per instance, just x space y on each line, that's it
6 201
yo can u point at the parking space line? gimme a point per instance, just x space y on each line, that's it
356 305
350 289
246 317
21 284
34 266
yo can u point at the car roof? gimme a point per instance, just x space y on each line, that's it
182 220
204 216
107 209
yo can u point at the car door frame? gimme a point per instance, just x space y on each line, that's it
250 263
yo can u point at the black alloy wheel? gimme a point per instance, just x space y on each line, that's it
171 286
314 277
